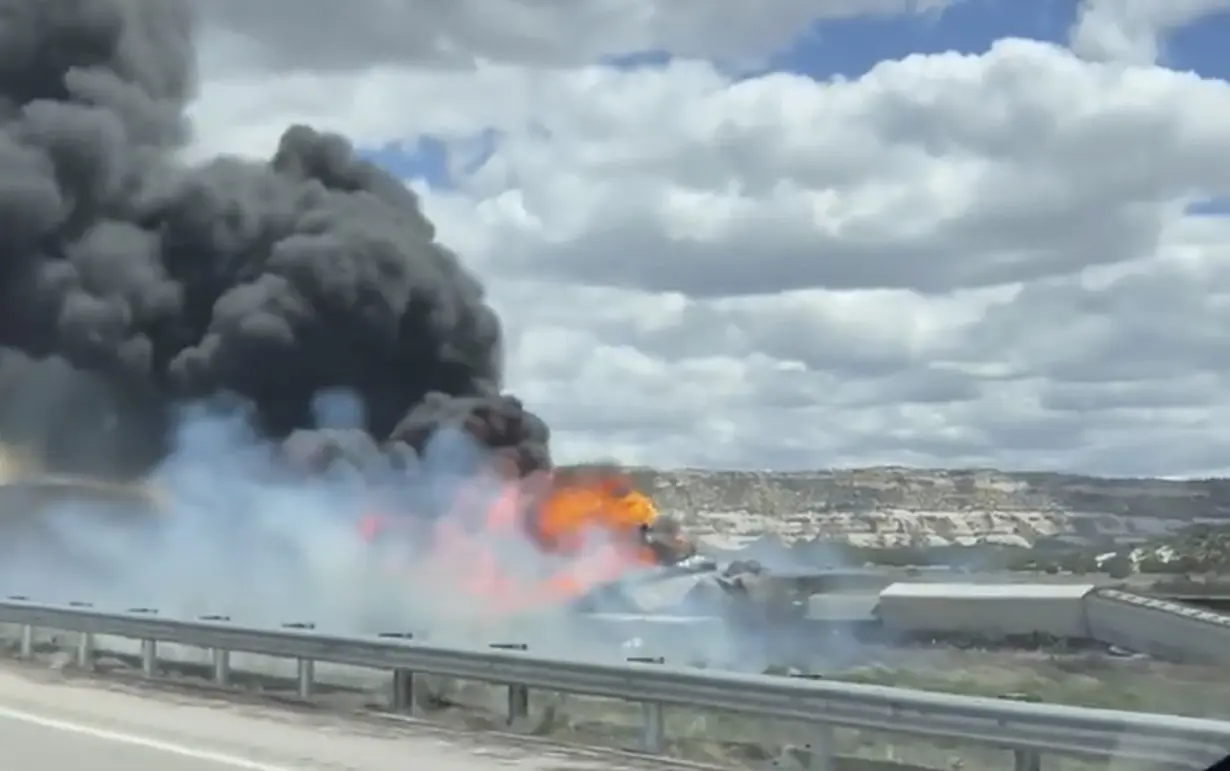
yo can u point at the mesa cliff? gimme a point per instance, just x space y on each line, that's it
894 507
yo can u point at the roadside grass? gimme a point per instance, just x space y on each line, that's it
1139 685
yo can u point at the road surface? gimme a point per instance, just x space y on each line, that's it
47 721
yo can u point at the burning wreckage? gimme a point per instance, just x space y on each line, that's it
596 538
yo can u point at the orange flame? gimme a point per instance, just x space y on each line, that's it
576 507
585 526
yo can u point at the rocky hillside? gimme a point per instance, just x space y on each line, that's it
928 508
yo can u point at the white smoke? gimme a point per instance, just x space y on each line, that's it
234 535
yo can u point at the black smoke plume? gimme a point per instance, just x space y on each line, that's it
130 281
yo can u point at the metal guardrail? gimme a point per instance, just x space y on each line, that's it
1030 730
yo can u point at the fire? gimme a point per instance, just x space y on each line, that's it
584 528
574 508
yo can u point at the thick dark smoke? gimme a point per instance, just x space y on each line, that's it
130 282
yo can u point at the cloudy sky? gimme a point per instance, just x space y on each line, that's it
802 233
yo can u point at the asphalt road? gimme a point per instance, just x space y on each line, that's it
48 721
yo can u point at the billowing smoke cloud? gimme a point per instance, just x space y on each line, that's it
129 281
187 326
275 346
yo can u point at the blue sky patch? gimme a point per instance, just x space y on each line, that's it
424 157
1201 47
1218 206
851 47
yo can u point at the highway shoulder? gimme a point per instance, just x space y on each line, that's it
47 714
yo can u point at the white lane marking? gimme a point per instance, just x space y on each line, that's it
135 740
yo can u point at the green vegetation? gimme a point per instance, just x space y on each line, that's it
977 558
1202 548
1091 680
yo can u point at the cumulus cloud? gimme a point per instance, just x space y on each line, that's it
1011 256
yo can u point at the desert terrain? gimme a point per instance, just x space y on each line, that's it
901 517
890 507
981 519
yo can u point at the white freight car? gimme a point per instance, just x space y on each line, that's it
989 611
1158 627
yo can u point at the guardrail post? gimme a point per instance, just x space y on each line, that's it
821 755
518 693
403 691
85 643
653 715
306 674
1024 760
221 656
149 648
403 699
26 650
